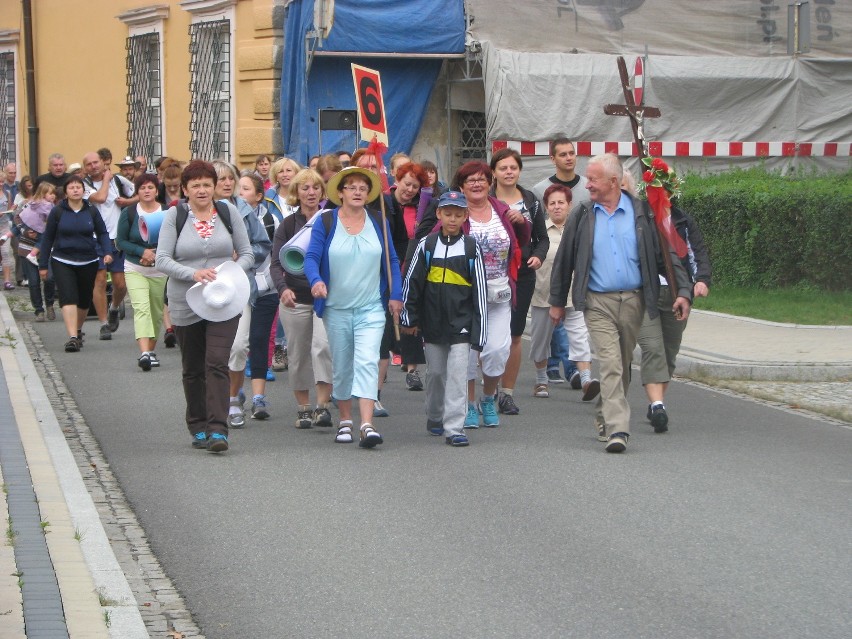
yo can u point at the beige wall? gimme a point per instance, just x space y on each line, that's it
80 76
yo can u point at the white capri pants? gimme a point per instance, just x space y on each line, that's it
579 345
239 349
492 360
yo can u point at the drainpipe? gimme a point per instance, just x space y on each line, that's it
32 116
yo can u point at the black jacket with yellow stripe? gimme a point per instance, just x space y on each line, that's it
444 291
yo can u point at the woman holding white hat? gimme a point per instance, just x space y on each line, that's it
354 275
207 291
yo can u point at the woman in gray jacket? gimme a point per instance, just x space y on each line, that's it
195 238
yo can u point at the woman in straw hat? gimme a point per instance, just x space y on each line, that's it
354 275
205 297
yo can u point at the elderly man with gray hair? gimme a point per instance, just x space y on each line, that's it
611 251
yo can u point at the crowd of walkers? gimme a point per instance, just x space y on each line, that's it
335 274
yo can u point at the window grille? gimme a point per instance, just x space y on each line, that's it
144 97
472 130
210 90
8 140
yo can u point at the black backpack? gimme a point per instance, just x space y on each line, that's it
222 211
469 251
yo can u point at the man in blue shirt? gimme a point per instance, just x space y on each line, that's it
611 248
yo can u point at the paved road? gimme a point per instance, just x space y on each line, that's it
734 524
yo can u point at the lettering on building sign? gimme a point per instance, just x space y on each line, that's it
825 32
612 11
768 24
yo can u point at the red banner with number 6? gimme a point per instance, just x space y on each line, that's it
371 105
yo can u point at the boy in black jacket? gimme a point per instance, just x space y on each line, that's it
444 296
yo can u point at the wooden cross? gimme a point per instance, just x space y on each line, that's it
637 113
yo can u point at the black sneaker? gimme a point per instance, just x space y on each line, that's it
72 345
105 333
305 417
322 417
170 339
575 380
554 377
659 418
112 319
413 381
506 404
217 443
144 362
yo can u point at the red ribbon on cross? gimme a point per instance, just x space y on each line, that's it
661 205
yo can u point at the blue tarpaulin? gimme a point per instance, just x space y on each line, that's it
368 26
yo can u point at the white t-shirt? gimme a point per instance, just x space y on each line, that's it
109 210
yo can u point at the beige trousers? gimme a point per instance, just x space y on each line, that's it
613 320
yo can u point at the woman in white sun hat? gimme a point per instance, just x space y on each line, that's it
207 291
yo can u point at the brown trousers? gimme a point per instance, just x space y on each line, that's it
204 349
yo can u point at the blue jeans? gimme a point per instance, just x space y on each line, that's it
262 316
559 352
35 284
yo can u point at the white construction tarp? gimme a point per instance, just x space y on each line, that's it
709 71
538 96
666 27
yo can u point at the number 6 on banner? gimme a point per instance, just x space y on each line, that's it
371 105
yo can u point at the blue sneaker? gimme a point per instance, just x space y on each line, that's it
248 369
217 443
259 407
199 440
270 376
435 427
472 419
457 440
489 412
379 410
241 395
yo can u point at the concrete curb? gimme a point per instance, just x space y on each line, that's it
688 366
109 580
752 320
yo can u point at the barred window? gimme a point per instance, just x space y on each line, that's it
8 141
144 97
472 130
210 90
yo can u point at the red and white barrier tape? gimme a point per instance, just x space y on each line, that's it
690 149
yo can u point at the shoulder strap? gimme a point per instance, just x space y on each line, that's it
119 186
470 253
131 214
180 218
327 218
429 248
224 214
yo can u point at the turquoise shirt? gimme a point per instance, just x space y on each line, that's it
354 267
615 254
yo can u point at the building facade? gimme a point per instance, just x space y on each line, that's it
182 78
